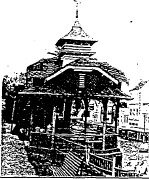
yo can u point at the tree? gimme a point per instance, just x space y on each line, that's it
10 87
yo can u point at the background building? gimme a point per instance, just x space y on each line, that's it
134 119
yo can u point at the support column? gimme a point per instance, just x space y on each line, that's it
144 138
13 109
117 114
67 112
64 107
105 103
144 127
117 108
116 117
44 112
31 126
137 135
31 117
86 113
113 166
87 154
53 125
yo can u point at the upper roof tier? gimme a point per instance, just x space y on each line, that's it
76 34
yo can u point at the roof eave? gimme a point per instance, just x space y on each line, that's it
81 68
61 41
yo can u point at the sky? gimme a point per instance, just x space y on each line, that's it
30 29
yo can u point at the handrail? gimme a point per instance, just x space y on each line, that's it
68 135
81 134
128 172
97 151
100 168
44 148
113 134
110 149
94 141
71 141
97 156
32 132
107 154
120 169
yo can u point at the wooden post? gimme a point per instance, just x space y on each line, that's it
113 166
117 113
44 113
105 102
144 127
64 106
31 117
137 135
53 126
116 117
86 113
67 112
104 136
31 122
143 136
13 109
87 154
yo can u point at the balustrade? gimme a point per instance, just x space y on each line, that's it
101 163
68 141
39 139
65 145
62 143
111 141
119 172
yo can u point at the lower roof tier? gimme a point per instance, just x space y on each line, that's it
116 93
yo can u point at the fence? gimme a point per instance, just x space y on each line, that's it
119 172
134 135
101 163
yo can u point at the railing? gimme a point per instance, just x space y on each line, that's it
134 135
119 172
102 152
111 141
64 145
106 161
82 145
101 163
108 165
39 139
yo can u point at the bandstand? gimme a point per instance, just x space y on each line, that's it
71 104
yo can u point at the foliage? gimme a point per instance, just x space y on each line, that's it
11 84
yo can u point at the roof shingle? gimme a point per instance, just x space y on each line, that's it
92 62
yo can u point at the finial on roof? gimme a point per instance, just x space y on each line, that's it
77 4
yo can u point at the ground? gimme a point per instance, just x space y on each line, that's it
14 160
132 158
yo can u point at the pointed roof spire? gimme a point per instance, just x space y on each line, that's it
77 13
77 8
76 33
